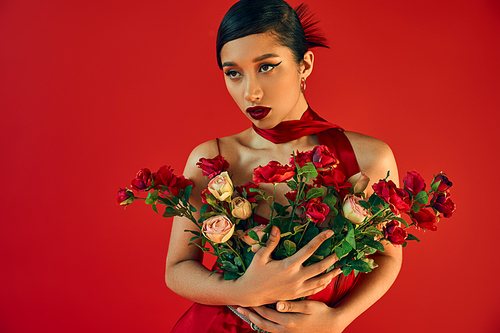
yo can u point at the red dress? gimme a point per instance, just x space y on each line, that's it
202 318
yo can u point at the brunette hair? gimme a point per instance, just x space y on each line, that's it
293 28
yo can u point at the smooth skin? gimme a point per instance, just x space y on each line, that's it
260 72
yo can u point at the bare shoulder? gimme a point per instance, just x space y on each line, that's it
206 149
374 156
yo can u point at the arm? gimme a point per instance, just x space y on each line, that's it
375 158
265 281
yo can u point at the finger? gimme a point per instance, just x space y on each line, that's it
318 283
311 247
274 238
260 321
304 307
321 266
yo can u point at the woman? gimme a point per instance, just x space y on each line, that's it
266 59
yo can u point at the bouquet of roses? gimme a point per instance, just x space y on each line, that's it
319 197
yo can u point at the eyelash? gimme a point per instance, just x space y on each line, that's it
229 73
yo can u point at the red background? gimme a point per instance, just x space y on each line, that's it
91 91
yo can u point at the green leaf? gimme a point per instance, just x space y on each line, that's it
253 235
412 237
360 265
415 207
237 262
169 212
364 204
208 215
338 224
399 219
330 200
154 208
350 235
229 266
422 198
192 208
370 262
152 197
374 244
309 170
231 276
292 184
375 200
346 270
373 230
277 206
290 247
187 192
315 192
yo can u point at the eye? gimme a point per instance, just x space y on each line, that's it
232 74
264 68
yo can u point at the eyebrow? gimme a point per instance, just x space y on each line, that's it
259 58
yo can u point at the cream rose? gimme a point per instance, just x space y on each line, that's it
243 235
218 229
221 187
359 182
353 210
241 208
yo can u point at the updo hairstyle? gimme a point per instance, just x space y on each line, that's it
292 28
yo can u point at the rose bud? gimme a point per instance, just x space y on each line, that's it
441 183
425 219
317 211
243 235
221 187
218 229
414 183
241 208
273 172
359 182
125 197
142 180
353 211
323 158
394 233
444 204
211 167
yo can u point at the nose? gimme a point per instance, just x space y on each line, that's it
253 91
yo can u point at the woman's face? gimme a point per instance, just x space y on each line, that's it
264 79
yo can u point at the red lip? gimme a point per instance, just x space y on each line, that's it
258 112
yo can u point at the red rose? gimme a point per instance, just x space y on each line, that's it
332 177
323 158
302 158
142 180
444 183
398 199
125 197
250 196
273 172
414 183
211 167
292 195
204 196
394 233
425 219
166 178
444 204
316 210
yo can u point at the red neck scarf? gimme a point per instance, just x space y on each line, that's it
328 134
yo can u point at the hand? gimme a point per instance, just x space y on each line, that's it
268 281
296 316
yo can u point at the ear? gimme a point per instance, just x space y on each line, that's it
307 64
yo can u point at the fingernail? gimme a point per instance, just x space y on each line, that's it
239 310
274 231
329 233
280 306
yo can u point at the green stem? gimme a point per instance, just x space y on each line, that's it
303 232
242 263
